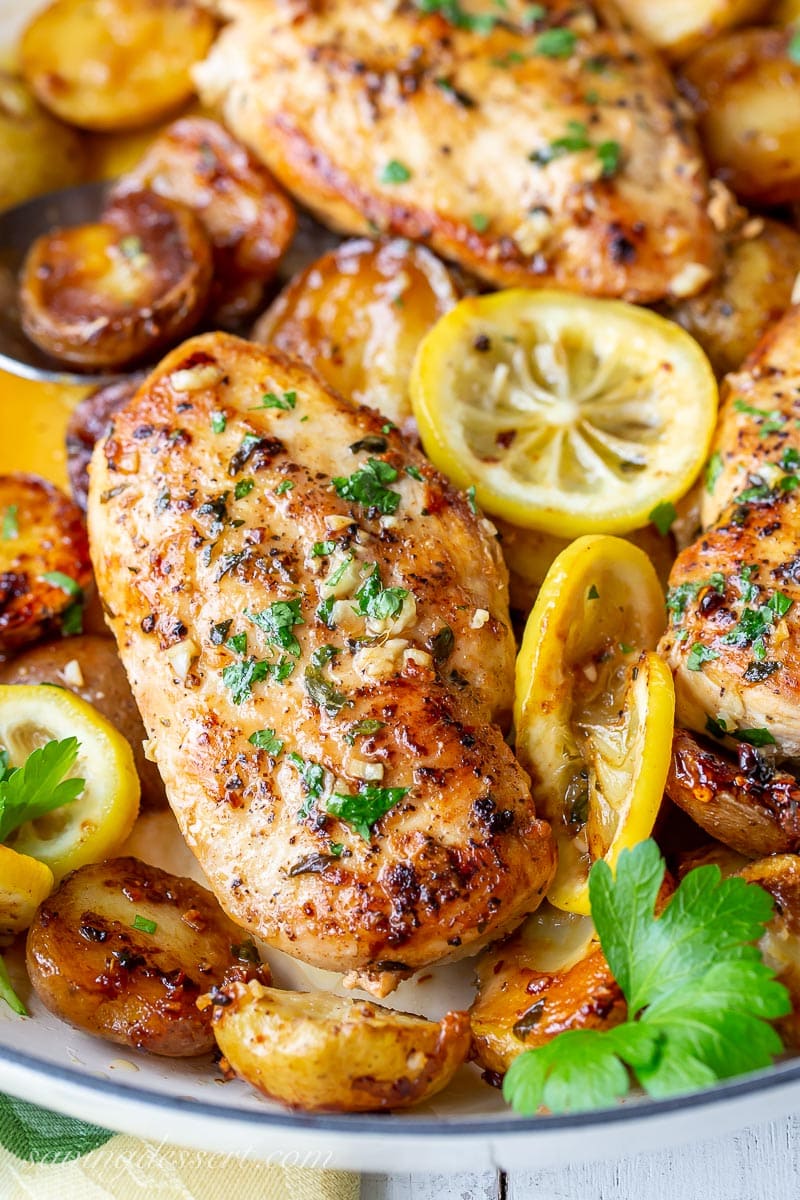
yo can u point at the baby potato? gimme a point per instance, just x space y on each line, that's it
123 950
87 423
746 89
90 667
37 154
114 64
748 805
784 12
319 1051
551 975
357 315
111 293
681 26
247 218
760 265
44 561
780 876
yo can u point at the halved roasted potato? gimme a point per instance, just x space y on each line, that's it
319 1051
109 294
760 266
123 950
246 216
751 806
24 884
780 876
358 314
44 561
114 64
37 154
87 423
680 26
746 89
90 667
551 975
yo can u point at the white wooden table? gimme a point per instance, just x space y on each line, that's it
762 1163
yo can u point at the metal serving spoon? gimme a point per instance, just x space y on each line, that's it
19 228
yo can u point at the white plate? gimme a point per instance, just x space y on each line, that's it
468 1128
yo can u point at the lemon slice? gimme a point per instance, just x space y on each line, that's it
567 414
98 822
24 884
594 707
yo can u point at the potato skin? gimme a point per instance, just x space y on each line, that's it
729 317
357 315
37 153
746 90
246 216
750 806
114 64
51 537
110 294
87 423
321 1052
91 968
780 876
104 684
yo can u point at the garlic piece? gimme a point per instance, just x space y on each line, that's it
181 656
72 674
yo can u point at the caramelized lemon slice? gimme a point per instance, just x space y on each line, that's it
24 884
594 707
567 414
95 824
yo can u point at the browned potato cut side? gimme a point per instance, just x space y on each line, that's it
780 945
682 26
248 219
37 154
319 1051
90 667
728 318
548 977
357 316
123 950
750 806
114 64
88 422
746 89
114 292
44 560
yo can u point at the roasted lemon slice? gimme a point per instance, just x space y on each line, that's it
594 707
566 414
24 884
94 825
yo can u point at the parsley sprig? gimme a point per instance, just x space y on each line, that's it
367 486
39 786
699 995
364 809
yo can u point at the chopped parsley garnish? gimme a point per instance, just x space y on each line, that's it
365 728
593 593
556 43
237 643
219 422
415 473
286 402
246 952
312 775
72 616
394 172
322 549
789 459
663 516
324 654
278 621
130 246
769 421
755 737
457 16
610 155
372 442
144 924
713 471
324 612
700 654
10 527
576 138
219 632
678 597
39 786
337 575
240 677
479 222
243 488
336 849
367 486
249 444
266 739
323 692
757 672
793 49
377 602
366 808
473 504
755 624
285 486
441 643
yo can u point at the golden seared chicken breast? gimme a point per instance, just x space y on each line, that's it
734 600
315 626
533 144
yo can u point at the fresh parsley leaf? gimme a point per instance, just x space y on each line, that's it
324 654
7 992
243 488
72 616
219 422
755 737
698 995
284 486
480 223
237 643
265 739
593 593
457 16
679 597
366 808
367 486
662 516
241 676
576 138
610 155
10 527
313 776
322 549
144 924
700 654
39 786
713 471
793 49
394 172
278 621
377 602
365 728
285 403
555 43
323 692
471 501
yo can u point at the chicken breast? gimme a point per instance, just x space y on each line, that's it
533 149
315 626
734 634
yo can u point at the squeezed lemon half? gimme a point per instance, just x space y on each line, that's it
98 822
566 414
594 707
